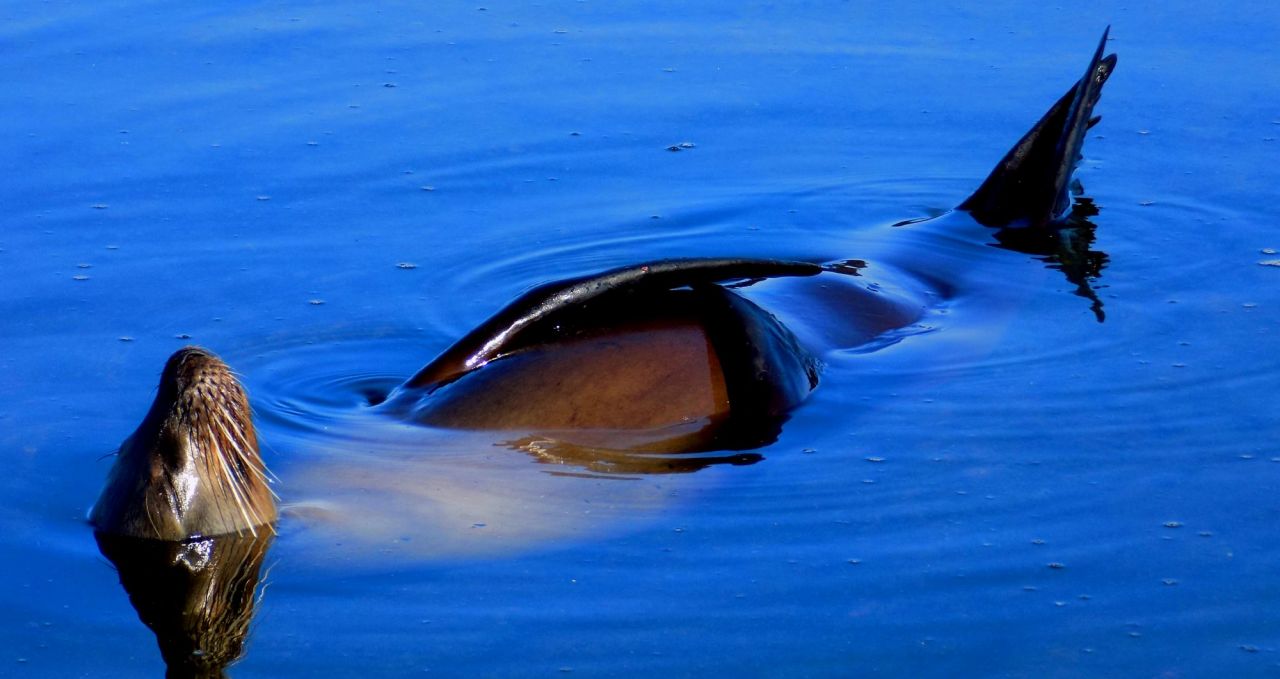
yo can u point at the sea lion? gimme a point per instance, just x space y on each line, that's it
192 468
661 357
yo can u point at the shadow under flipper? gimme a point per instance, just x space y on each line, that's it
197 595
1067 247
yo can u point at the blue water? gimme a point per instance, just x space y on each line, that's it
327 196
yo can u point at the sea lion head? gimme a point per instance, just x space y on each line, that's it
192 467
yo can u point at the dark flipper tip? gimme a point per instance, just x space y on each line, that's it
1031 184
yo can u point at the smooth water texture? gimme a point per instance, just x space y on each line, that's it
327 196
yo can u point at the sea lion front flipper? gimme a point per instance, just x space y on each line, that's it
1031 185
543 307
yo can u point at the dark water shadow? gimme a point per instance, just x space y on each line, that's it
197 596
1066 247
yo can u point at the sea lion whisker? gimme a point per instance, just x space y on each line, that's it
231 482
236 445
212 475
253 463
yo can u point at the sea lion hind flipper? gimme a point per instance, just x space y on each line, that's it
1031 185
557 303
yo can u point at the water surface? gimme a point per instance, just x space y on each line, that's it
327 196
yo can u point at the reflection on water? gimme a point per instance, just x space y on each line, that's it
197 596
1067 247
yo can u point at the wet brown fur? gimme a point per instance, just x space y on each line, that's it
192 468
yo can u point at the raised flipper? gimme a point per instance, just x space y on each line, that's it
533 315
1031 184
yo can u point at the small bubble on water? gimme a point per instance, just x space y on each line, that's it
1135 635
100 206
406 265
1060 604
1250 305
315 302
1247 456
876 460
84 266
264 198
1205 533
1146 203
1248 648
182 336
1056 565
1144 132
853 562
1269 262
125 338
808 451
1173 524
80 277
1037 541
1169 582
389 85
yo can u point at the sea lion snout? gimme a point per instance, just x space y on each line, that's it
192 468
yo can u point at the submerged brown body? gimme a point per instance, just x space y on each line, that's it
655 357
192 467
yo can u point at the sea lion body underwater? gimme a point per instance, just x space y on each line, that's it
663 357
